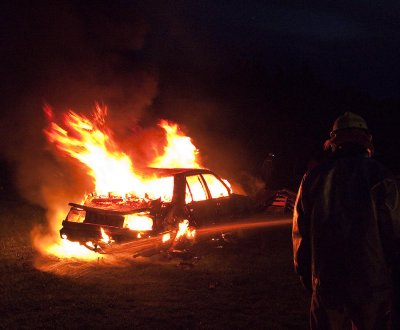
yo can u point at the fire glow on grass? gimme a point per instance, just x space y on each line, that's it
52 244
113 172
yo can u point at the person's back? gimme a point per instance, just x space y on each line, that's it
343 234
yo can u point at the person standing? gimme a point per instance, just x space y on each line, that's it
346 232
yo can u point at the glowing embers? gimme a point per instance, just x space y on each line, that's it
138 221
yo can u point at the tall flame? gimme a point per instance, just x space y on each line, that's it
179 151
93 146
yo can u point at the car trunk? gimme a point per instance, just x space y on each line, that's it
84 224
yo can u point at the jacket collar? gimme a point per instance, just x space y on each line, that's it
350 150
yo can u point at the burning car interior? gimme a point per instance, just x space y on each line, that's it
197 196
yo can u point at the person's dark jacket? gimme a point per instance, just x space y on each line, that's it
346 228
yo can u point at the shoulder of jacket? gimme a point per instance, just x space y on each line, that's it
389 189
317 170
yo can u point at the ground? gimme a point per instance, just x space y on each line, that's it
246 283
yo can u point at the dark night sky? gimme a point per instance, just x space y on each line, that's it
245 78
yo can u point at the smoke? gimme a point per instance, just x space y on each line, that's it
71 55
130 57
59 53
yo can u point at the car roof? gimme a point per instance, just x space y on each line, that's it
163 172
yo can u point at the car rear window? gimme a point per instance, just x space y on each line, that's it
104 219
76 215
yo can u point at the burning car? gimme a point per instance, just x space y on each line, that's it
194 196
155 187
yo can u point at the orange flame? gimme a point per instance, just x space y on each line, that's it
85 141
138 221
166 237
68 249
179 151
185 230
104 237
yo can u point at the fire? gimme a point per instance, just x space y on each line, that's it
166 237
185 230
160 188
138 221
228 184
62 248
112 170
179 151
88 141
92 145
104 237
67 249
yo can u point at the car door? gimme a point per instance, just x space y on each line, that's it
200 207
220 196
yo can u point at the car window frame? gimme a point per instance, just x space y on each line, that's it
204 186
220 180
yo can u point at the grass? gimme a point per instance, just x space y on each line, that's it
247 284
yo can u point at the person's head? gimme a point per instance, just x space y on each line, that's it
350 128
